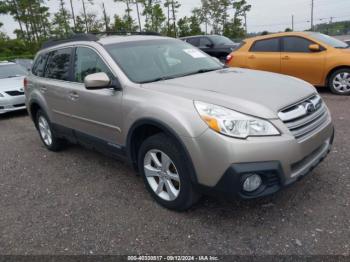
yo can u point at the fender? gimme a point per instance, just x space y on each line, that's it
167 130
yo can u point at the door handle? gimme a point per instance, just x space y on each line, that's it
285 58
73 96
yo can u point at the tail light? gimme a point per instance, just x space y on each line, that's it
25 83
229 59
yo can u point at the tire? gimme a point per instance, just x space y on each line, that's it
339 82
172 178
47 134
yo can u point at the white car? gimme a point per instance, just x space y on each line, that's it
11 87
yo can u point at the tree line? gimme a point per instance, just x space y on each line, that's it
36 24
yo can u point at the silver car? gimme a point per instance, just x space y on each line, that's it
186 123
11 87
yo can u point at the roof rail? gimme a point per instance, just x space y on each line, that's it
109 33
72 38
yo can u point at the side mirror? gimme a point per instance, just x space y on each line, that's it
315 48
100 81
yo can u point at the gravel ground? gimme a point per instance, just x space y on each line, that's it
80 202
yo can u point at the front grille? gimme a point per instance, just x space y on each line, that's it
14 93
303 118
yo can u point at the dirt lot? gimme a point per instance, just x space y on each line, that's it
80 202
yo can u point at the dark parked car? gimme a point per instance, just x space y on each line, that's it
214 45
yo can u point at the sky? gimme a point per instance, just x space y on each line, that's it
270 15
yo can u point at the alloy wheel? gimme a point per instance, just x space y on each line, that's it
162 175
45 131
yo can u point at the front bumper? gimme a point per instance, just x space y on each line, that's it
273 177
12 103
220 162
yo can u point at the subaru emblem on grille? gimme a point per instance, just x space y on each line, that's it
310 108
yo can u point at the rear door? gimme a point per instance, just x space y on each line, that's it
265 55
56 83
298 60
95 113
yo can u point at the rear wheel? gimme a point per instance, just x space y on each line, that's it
165 174
339 82
47 135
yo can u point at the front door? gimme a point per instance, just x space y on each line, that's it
299 61
95 113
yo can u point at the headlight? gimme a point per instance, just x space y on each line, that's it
232 123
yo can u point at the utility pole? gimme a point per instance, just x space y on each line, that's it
174 18
245 23
312 15
138 15
293 23
105 16
73 15
86 23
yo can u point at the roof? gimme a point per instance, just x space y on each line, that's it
279 35
193 36
102 38
128 38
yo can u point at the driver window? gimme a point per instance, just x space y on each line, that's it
88 62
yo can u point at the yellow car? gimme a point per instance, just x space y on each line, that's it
316 58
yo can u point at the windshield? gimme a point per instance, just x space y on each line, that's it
328 40
221 40
7 71
155 60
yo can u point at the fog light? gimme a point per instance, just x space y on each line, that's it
252 183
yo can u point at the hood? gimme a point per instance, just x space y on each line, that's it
252 92
13 83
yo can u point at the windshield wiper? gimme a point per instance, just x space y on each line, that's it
200 71
158 79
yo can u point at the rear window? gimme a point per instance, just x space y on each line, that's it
266 45
58 64
39 65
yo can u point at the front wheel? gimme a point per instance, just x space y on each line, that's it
165 174
339 82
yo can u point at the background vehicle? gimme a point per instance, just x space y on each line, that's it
214 45
11 87
26 63
184 121
347 41
316 58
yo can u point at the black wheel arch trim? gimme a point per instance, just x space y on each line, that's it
167 130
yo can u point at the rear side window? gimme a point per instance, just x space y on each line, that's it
193 41
39 65
267 45
58 65
88 62
295 44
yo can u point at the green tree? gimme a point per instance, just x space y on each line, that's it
60 22
195 26
184 27
172 7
